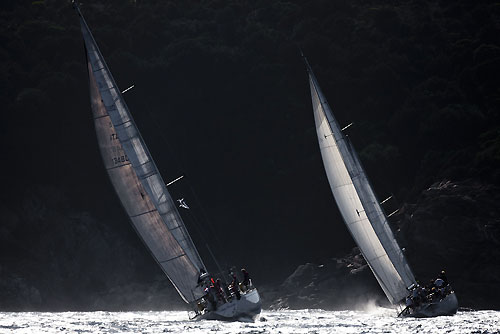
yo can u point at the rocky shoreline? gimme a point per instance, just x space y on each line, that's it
453 226
335 284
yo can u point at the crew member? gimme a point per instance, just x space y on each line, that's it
439 283
409 302
235 286
442 276
219 290
246 278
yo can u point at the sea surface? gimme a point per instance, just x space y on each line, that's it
377 320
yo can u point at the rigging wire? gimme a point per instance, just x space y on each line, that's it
190 188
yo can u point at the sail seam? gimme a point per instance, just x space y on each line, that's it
171 229
117 125
378 257
107 89
178 256
144 213
110 168
145 176
101 116
356 221
342 185
144 163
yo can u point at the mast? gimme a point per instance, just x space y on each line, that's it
357 203
136 179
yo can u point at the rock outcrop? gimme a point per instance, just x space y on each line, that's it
55 257
337 283
454 226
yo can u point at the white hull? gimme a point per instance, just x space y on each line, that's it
245 309
446 306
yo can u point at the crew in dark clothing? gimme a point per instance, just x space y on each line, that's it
246 278
210 297
219 290
414 295
409 302
235 286
224 287
442 276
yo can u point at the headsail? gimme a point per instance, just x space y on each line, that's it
136 179
357 203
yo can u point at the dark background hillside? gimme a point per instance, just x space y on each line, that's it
221 96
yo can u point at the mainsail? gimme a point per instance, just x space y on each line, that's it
357 202
136 179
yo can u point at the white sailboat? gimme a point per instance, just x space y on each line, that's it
364 216
146 200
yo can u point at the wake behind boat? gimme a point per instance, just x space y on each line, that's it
368 223
147 202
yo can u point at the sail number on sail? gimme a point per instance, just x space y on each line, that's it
118 149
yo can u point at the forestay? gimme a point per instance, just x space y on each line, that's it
357 202
136 179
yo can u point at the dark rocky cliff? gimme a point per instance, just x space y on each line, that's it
454 226
335 284
57 258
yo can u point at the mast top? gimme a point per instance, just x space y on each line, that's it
76 6
308 67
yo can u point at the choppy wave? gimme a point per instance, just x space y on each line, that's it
373 320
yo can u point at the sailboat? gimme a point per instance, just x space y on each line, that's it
365 218
147 202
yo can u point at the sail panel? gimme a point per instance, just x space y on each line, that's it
380 223
168 253
136 179
356 220
354 215
358 211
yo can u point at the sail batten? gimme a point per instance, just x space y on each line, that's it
136 179
357 203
